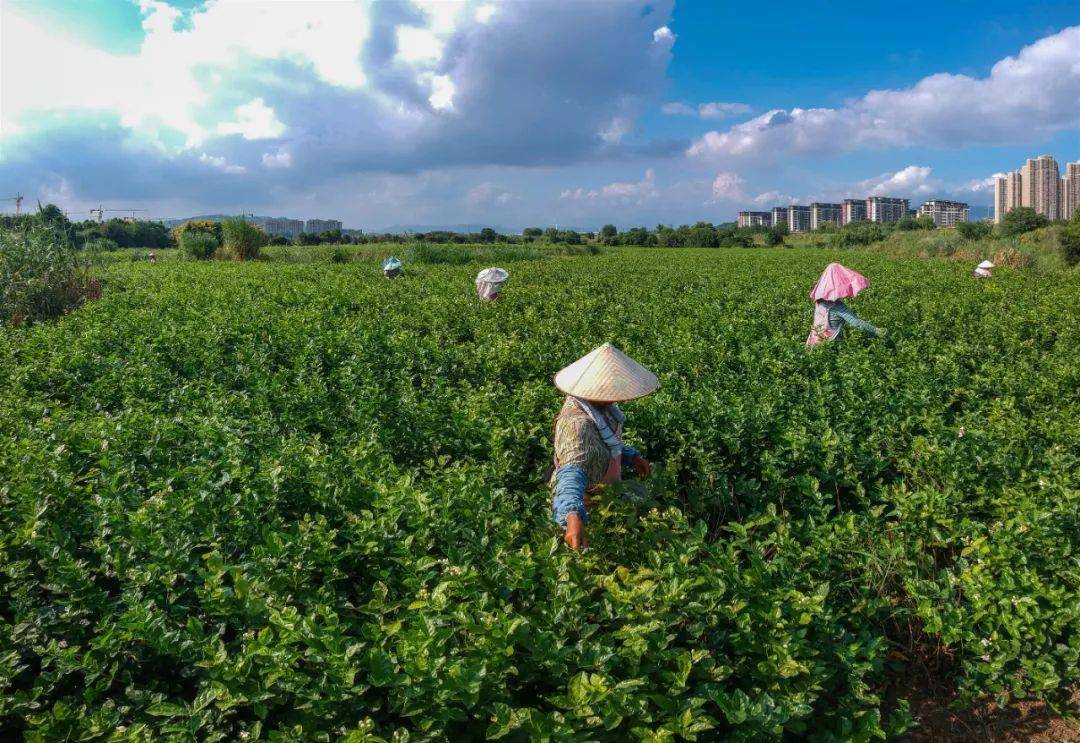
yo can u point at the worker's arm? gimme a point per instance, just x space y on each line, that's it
628 454
569 494
850 318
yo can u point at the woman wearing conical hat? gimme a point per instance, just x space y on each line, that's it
589 452
831 315
982 271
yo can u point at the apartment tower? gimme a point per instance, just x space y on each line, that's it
886 209
825 214
1070 190
798 218
853 210
1041 186
945 213
779 215
754 219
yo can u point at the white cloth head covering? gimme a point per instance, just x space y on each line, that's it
606 375
490 281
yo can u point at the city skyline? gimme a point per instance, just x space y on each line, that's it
508 113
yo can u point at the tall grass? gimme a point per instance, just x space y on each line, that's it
42 275
241 240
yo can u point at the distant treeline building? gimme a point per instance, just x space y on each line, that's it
883 209
318 226
945 213
1037 184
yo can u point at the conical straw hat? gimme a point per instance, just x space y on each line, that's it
606 375
985 264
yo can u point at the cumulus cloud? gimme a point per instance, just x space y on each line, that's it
629 192
714 110
326 91
728 187
1034 93
912 181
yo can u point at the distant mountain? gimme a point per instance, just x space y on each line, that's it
406 229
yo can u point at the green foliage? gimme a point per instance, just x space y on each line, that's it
1070 240
974 230
340 255
299 502
42 275
855 234
208 226
198 245
1022 219
241 240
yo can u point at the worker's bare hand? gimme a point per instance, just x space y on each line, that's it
640 465
575 533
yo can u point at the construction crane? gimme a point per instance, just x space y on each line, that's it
18 199
100 211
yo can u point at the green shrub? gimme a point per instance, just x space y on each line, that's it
1022 219
974 230
198 245
208 226
42 275
1070 240
859 233
241 240
339 255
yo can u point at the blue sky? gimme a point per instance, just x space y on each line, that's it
525 113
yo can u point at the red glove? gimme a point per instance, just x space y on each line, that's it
640 465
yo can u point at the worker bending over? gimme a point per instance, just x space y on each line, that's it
589 452
830 314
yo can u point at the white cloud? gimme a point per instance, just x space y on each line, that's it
418 45
165 85
728 187
485 13
222 164
1033 94
677 108
912 181
254 120
720 110
280 159
714 110
631 192
774 198
442 93
664 36
616 129
488 194
981 185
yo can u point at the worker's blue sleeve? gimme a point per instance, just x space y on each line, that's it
628 454
850 318
569 494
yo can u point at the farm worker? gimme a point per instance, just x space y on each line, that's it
391 267
830 314
489 283
589 452
982 271
152 257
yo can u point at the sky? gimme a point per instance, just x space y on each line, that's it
515 114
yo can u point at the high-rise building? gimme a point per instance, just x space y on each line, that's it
886 209
317 226
821 213
1000 198
1037 184
945 213
1041 186
798 218
779 215
853 210
1070 190
754 219
281 226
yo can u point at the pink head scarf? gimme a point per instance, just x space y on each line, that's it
838 282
